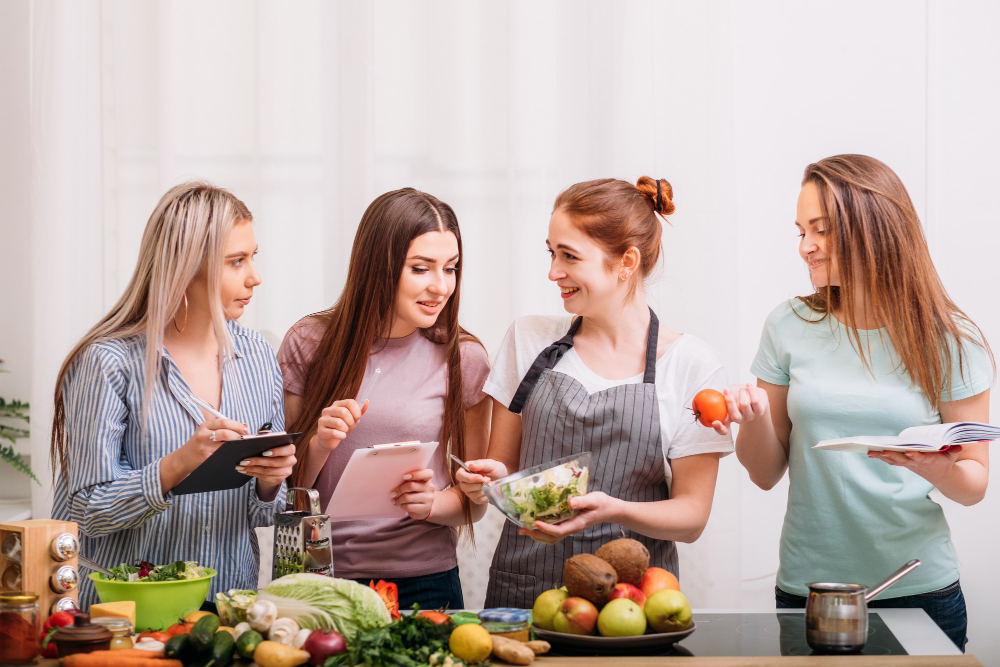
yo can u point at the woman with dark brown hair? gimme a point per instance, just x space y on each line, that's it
616 382
877 347
398 313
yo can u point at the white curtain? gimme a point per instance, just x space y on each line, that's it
309 110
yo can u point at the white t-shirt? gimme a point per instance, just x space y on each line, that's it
686 367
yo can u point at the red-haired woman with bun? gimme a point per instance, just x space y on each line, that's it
610 379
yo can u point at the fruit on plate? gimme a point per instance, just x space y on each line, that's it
621 617
589 577
628 557
576 616
471 642
546 606
668 610
630 592
656 579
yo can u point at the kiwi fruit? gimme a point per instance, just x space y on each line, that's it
628 557
590 578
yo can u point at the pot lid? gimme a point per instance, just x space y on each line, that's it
82 630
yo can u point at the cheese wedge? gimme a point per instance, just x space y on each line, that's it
125 609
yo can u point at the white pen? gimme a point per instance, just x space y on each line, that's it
208 406
366 392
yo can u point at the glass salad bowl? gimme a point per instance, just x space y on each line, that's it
542 492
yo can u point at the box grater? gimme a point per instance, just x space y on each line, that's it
301 538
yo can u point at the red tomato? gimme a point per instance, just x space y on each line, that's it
709 405
438 617
179 628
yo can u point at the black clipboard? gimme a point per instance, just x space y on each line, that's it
218 472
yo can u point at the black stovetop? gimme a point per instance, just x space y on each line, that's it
760 633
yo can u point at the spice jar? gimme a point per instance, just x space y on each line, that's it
121 630
509 622
81 637
19 640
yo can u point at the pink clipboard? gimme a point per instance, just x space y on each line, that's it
371 475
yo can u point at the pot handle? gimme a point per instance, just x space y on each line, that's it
891 579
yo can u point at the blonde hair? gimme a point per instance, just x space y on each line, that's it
186 232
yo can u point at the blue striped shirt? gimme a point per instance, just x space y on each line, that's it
113 486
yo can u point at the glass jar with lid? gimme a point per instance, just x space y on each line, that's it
121 630
509 622
19 640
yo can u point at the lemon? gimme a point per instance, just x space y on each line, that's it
471 642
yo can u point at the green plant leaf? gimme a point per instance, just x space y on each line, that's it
8 454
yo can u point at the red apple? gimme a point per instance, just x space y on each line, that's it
624 590
576 616
656 579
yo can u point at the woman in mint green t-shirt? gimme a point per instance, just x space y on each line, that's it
879 346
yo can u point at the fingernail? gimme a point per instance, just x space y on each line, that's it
392 495
240 469
245 462
407 476
268 453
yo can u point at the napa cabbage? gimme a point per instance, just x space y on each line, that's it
317 601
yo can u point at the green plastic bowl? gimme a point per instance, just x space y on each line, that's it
158 604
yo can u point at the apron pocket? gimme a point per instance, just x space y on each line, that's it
509 589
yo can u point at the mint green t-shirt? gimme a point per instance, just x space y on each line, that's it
851 518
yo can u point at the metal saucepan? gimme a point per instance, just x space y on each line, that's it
837 614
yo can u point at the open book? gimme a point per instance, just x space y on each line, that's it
933 438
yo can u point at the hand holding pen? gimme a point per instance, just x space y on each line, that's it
336 421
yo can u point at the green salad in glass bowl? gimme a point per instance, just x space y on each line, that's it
542 492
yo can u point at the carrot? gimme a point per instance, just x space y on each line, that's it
119 657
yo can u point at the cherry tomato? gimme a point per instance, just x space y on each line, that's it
438 617
709 405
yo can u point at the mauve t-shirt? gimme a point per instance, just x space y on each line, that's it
407 403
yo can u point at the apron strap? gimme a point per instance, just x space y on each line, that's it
548 358
649 376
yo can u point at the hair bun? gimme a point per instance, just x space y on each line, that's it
660 193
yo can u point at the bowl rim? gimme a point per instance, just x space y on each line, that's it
541 467
98 577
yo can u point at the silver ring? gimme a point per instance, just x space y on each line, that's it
212 437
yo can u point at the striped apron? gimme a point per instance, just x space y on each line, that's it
620 426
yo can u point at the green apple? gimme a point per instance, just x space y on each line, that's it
621 617
668 610
546 606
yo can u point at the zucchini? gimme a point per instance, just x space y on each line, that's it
203 631
178 646
222 650
247 643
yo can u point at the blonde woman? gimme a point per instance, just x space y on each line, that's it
879 346
127 428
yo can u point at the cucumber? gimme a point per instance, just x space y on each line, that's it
178 646
222 650
247 643
203 631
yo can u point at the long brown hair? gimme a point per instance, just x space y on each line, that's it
364 314
186 232
875 236
619 216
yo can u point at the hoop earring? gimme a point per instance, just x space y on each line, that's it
174 320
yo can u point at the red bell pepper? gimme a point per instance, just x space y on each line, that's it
389 592
53 623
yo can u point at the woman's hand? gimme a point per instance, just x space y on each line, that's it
471 484
929 465
208 437
594 507
336 421
416 494
745 402
270 468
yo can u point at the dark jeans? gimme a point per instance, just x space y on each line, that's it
945 606
441 590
